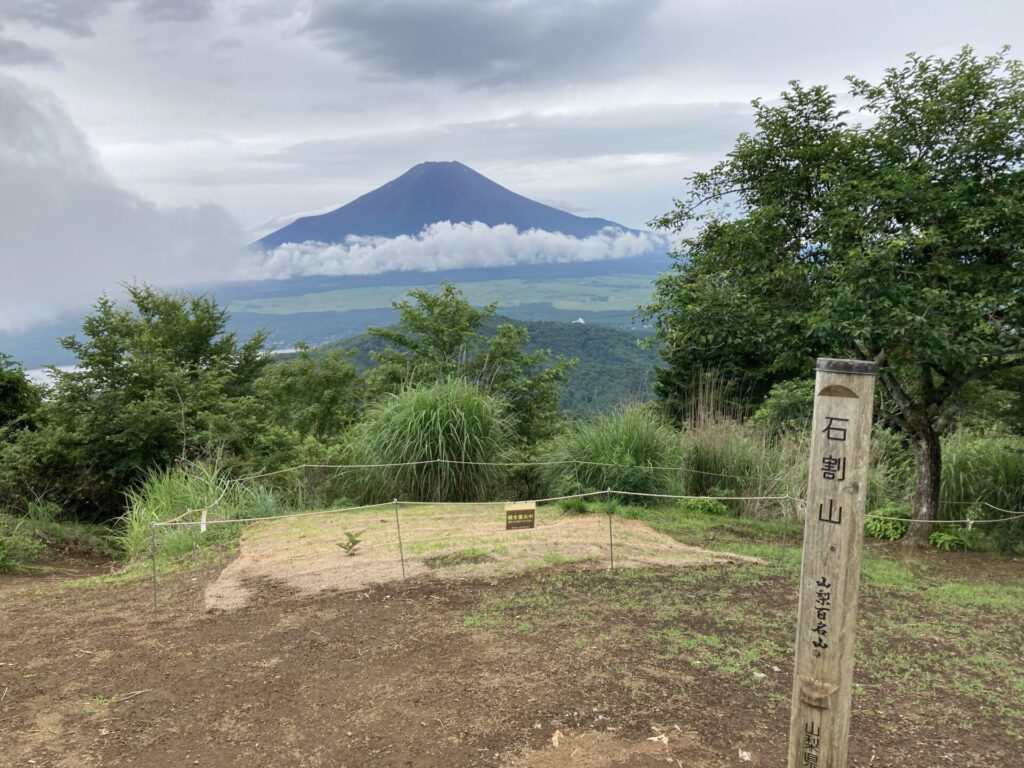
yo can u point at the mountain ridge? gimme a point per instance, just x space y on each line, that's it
426 194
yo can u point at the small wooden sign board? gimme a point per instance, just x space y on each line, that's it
520 514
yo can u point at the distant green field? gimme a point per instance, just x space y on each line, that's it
584 294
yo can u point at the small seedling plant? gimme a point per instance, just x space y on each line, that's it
352 541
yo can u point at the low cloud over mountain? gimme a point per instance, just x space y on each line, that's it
444 246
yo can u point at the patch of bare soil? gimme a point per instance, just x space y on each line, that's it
602 749
386 677
397 677
445 541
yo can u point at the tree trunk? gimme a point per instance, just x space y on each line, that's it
928 450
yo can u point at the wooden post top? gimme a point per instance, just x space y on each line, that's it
834 365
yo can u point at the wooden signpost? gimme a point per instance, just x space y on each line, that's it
830 574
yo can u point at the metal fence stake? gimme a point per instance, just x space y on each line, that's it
152 531
401 552
195 560
611 540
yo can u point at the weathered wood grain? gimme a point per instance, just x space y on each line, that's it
830 574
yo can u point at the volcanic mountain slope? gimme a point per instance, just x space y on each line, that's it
428 193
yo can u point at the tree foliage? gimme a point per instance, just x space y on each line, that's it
438 338
897 238
159 380
19 398
316 395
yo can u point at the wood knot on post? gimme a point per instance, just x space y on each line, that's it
816 693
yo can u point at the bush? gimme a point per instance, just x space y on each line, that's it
307 486
169 493
575 506
703 507
726 458
891 471
987 470
787 408
952 538
27 538
43 511
630 449
888 530
452 421
18 547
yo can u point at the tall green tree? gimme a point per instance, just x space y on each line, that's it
438 338
897 238
316 395
159 380
19 397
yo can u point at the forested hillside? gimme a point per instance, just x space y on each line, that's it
613 366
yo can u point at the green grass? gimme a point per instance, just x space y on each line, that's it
627 449
26 541
453 420
932 635
169 494
468 556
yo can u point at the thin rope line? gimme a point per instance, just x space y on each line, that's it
966 521
719 498
274 517
463 462
1013 512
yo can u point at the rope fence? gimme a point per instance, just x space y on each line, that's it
457 527
580 463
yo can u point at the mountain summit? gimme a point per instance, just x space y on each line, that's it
428 193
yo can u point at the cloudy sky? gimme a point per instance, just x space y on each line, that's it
148 138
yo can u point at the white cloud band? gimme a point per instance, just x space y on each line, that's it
445 245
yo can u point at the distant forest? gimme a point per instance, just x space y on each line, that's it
613 366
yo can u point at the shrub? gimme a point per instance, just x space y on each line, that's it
168 494
787 408
952 538
575 506
888 530
630 449
891 471
453 422
312 484
27 538
726 458
703 507
18 547
986 470
350 545
43 511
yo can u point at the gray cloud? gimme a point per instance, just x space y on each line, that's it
17 53
636 156
444 246
604 104
77 17
483 42
696 129
267 10
73 17
175 10
68 232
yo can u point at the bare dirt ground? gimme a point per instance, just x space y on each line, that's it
562 666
